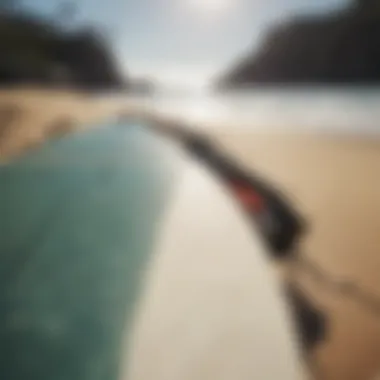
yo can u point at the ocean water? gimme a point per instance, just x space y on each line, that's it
325 110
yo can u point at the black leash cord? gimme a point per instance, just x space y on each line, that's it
346 288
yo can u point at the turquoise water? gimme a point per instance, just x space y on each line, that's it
318 109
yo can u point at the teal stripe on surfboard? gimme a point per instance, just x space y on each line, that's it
78 223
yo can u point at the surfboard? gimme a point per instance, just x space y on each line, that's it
123 258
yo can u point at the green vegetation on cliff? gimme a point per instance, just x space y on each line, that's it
343 47
37 51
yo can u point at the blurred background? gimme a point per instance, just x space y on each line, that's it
223 44
215 61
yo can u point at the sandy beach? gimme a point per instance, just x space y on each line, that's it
333 183
332 180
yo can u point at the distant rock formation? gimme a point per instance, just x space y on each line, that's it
142 86
343 47
38 52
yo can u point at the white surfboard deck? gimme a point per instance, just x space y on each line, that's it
212 309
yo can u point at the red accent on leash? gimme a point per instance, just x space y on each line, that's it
248 197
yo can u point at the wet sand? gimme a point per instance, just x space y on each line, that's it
28 117
333 181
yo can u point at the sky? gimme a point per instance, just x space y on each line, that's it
184 42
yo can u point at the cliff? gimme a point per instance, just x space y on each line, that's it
340 48
34 51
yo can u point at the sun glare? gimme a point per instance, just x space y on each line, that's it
210 6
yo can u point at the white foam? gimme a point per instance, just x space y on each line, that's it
303 110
